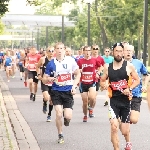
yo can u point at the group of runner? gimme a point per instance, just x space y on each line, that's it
61 73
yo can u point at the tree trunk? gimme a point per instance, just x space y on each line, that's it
103 32
149 45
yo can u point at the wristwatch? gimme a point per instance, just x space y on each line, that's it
130 89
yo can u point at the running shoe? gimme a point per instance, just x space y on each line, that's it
91 115
61 139
85 119
49 119
31 96
44 109
106 103
128 146
66 122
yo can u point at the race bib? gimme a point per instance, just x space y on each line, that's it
64 77
122 84
32 67
87 77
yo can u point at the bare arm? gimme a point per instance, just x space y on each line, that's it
135 76
77 73
104 77
40 63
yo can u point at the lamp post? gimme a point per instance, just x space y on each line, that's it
145 30
89 25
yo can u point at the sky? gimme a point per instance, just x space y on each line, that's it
19 7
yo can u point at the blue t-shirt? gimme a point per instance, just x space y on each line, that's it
141 70
1 56
63 72
108 59
8 61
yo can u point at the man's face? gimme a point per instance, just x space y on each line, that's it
107 52
128 52
95 50
60 50
50 52
118 53
33 51
68 52
80 52
87 52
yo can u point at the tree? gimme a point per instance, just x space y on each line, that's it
3 7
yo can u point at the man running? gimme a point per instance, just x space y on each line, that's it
108 59
46 88
62 67
120 74
136 92
89 77
31 61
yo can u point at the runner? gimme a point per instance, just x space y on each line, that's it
89 76
21 60
14 58
95 51
46 88
63 87
8 64
120 74
31 62
1 58
108 59
137 92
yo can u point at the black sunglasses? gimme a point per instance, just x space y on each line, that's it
51 51
95 48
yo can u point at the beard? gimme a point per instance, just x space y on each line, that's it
118 59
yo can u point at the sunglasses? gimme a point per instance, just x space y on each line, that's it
51 51
95 48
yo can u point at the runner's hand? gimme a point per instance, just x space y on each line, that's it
73 90
126 91
39 77
144 89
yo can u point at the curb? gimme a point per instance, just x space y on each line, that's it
22 132
9 130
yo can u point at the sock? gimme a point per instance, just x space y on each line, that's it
44 102
50 109
60 135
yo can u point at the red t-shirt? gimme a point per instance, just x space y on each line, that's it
88 75
33 60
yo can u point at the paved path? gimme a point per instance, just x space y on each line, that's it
93 135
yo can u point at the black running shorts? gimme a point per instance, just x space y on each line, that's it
21 68
121 107
62 98
85 87
46 88
32 75
97 85
136 103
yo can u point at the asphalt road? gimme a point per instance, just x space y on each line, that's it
93 135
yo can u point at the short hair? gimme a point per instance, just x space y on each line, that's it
86 47
117 44
132 47
59 43
49 48
106 48
95 45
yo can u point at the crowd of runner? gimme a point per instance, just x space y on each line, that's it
60 74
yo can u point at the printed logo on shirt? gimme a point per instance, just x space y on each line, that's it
87 65
64 66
